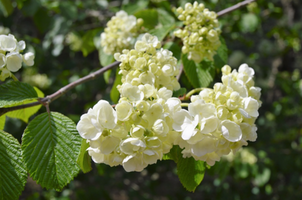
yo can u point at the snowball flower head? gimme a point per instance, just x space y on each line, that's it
120 33
200 35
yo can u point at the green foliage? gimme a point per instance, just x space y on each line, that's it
199 74
104 58
51 145
221 58
13 173
180 92
16 92
84 160
2 121
6 7
161 32
114 93
26 113
190 172
150 17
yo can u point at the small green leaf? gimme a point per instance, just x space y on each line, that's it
161 32
190 172
68 10
107 76
221 57
13 173
2 121
51 145
135 7
114 93
25 114
174 48
6 7
16 92
84 159
199 75
180 92
104 58
164 17
149 16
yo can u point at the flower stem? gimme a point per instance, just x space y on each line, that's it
14 77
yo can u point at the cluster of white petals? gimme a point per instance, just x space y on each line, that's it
222 119
10 57
138 132
200 35
120 33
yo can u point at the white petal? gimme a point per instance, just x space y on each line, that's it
7 43
28 59
13 61
231 131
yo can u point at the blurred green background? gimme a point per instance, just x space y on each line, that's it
266 35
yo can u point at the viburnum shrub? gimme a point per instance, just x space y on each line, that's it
154 118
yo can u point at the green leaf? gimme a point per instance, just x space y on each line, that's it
107 76
25 114
114 93
51 145
190 172
175 48
16 92
87 41
43 20
199 75
249 22
161 32
221 57
84 159
68 10
2 122
30 7
149 16
135 7
180 92
6 7
164 17
13 173
104 58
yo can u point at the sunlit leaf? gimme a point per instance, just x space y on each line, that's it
51 146
84 159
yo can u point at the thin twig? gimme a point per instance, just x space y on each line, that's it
234 7
48 99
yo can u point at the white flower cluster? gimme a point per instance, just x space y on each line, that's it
121 33
201 33
10 57
221 119
139 131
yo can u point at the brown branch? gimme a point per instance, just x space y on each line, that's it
234 7
46 100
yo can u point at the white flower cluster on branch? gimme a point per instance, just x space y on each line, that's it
148 121
120 33
139 131
200 35
220 120
10 56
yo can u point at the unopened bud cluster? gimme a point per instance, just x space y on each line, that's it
139 130
220 120
10 56
200 35
120 33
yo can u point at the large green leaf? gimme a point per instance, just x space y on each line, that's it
25 114
114 93
13 173
87 41
162 31
6 7
199 75
51 145
149 16
190 172
221 57
16 92
84 159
